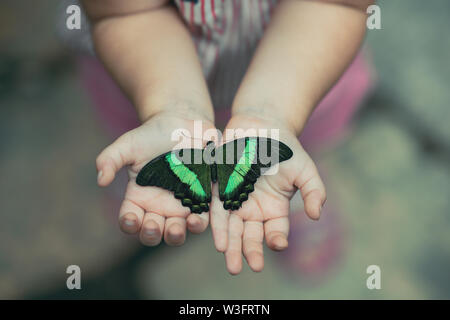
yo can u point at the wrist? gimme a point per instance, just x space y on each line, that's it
290 113
268 118
180 109
245 121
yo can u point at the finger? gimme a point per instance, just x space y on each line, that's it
312 189
175 231
130 217
276 232
219 222
112 159
197 223
233 254
157 200
152 229
253 244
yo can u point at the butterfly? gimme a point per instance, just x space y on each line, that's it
235 165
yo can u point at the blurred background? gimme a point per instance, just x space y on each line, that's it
388 182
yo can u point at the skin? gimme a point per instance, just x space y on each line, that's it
290 72
305 49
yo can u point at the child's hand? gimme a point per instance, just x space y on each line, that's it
265 213
150 211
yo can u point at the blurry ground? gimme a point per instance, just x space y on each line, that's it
389 180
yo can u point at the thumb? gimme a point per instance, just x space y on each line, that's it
312 189
112 159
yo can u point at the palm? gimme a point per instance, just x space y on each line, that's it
265 213
273 193
264 203
155 200
150 211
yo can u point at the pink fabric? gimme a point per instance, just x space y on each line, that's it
114 110
327 122
335 111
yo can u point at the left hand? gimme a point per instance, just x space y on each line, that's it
151 212
265 213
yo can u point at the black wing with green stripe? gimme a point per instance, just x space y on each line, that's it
242 162
182 172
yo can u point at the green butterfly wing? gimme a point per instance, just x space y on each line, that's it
242 161
183 172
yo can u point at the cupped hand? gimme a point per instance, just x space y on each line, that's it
265 213
151 212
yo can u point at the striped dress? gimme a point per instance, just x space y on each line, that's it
226 33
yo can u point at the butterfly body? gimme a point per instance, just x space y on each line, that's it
235 165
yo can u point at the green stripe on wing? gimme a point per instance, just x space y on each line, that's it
185 175
243 166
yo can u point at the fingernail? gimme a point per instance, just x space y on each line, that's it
280 244
176 236
279 248
129 222
194 223
150 232
99 175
